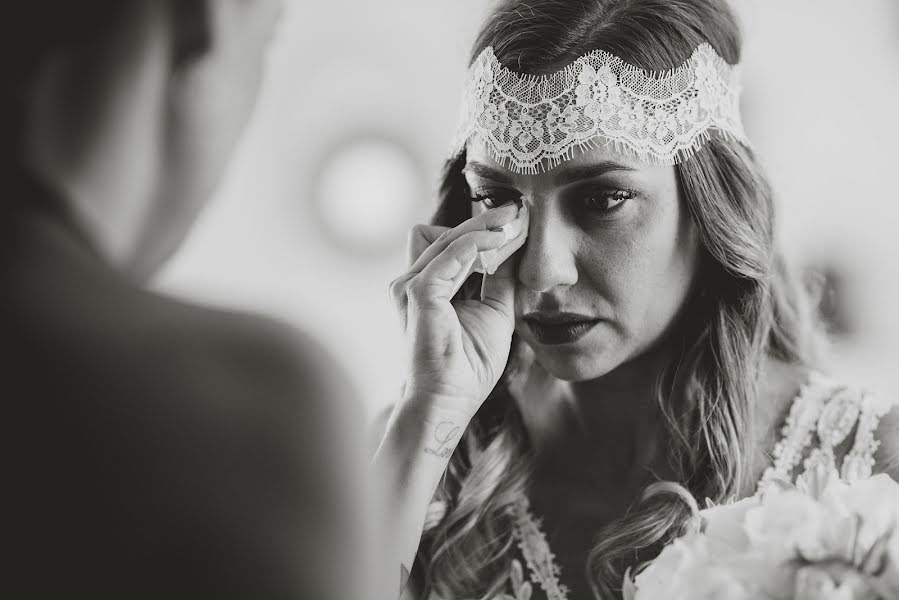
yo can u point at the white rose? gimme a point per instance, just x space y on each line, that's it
676 558
708 582
786 521
724 523
876 500
836 582
655 580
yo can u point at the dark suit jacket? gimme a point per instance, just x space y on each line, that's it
159 449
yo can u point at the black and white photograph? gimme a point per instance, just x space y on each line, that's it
459 300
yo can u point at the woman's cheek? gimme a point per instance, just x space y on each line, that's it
624 265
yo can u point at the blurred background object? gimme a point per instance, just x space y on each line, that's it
358 113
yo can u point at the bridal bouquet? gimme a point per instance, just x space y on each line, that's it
821 539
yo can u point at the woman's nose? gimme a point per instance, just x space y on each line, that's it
547 260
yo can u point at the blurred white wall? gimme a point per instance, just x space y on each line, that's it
821 83
822 91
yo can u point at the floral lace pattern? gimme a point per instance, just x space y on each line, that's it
530 121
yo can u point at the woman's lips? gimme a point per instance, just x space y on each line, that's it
560 330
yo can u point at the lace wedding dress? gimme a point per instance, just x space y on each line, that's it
823 415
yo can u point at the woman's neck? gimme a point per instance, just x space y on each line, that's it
609 427
615 403
618 412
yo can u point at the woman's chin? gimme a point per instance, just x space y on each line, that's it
573 366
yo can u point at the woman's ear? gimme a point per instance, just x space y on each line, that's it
192 29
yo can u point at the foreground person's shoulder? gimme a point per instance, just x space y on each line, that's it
284 428
259 356
258 380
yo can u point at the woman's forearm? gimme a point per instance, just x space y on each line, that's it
406 471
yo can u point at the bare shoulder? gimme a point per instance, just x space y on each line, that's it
279 411
779 385
251 381
269 357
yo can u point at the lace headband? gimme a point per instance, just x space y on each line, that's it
532 123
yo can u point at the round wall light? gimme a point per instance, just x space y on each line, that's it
368 192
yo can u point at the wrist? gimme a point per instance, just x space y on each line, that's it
431 425
422 429
429 406
417 446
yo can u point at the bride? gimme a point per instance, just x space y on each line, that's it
600 305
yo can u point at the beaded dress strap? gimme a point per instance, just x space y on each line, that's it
828 412
540 560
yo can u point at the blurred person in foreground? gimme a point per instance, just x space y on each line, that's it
158 449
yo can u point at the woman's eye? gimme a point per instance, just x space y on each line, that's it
494 198
607 201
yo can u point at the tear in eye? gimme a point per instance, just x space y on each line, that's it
494 198
607 201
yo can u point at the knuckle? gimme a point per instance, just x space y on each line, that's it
397 287
421 238
417 234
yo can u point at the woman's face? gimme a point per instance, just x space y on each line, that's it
610 256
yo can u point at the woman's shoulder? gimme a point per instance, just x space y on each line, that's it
825 417
886 456
780 386
780 383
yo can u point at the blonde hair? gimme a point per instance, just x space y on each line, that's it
745 308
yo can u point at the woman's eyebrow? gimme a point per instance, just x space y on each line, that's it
564 176
572 174
485 172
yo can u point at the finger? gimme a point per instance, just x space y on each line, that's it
444 275
491 219
490 260
483 240
420 238
398 296
498 289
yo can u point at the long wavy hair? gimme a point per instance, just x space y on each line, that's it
746 307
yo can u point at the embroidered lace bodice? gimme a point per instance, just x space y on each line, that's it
828 423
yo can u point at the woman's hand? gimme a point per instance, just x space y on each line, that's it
458 350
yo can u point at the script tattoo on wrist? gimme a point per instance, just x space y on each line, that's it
445 436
